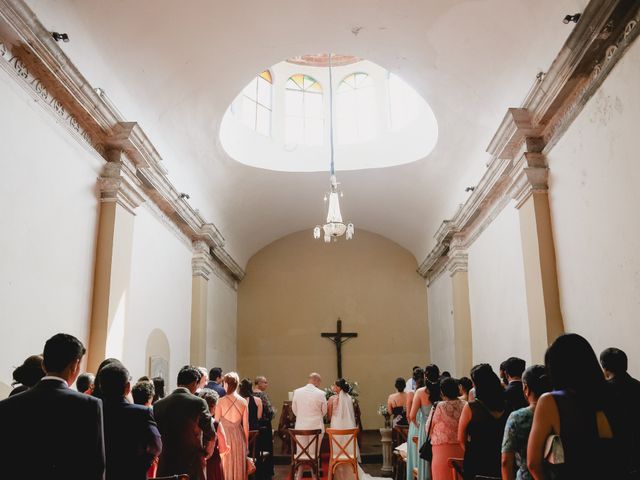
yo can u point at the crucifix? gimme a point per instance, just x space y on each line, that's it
338 338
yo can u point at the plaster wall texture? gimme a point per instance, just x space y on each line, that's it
222 309
158 302
441 328
297 287
499 319
594 199
48 225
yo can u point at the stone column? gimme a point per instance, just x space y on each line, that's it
463 350
538 251
202 265
119 197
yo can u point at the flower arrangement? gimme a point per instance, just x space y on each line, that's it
353 386
384 411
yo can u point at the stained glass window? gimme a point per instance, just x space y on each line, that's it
355 109
254 104
304 113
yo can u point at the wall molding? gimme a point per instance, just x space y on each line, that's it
518 166
32 58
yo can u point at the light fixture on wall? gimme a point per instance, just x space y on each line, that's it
334 227
571 18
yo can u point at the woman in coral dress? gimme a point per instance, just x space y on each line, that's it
232 413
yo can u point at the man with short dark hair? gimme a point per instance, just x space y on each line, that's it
410 385
84 383
215 381
143 393
52 431
131 436
514 391
187 429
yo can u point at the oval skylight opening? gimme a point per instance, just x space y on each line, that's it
280 119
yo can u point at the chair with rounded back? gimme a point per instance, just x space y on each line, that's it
343 449
305 450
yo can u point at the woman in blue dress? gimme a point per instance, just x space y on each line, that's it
418 414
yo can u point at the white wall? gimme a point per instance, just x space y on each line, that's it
48 225
499 321
594 198
440 315
222 309
159 295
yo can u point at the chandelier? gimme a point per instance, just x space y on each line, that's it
334 227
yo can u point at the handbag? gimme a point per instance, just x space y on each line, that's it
553 450
251 467
426 450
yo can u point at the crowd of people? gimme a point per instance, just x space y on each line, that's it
110 428
572 418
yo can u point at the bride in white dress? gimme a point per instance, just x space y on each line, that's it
342 416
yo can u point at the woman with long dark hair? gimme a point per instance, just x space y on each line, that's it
581 412
481 425
416 426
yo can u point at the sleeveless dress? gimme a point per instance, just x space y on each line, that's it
413 459
443 425
483 445
234 463
254 423
399 416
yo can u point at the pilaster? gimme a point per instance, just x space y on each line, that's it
203 265
463 351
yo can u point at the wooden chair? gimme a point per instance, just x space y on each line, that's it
455 464
251 452
305 450
173 477
400 466
399 436
414 472
343 449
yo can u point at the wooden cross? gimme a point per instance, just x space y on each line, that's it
338 338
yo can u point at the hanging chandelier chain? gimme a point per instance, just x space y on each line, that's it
331 113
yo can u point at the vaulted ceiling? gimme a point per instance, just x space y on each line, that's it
175 67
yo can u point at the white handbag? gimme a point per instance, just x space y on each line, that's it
553 450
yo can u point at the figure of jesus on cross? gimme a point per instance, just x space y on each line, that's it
338 338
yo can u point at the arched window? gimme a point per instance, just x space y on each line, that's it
255 104
304 113
355 108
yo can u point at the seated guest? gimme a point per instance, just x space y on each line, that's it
131 436
51 431
590 421
253 402
186 427
215 381
143 393
158 388
443 427
27 374
481 426
85 383
514 393
516 432
466 385
214 463
396 404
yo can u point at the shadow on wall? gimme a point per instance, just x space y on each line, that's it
158 356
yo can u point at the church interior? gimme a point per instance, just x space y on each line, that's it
219 183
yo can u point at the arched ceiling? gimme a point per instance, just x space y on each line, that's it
176 66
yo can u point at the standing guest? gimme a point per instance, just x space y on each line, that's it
254 403
465 388
443 428
204 378
143 393
97 391
233 414
85 383
416 426
503 374
481 426
27 374
158 388
514 392
516 432
264 468
396 404
432 381
186 427
624 389
131 436
51 431
220 447
445 374
215 381
582 411
410 384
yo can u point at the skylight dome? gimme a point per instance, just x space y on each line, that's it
279 120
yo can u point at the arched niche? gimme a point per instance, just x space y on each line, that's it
158 355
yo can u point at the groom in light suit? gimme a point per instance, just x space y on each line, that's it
309 405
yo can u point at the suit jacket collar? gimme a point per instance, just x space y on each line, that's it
181 391
52 383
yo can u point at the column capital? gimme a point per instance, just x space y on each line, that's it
458 257
530 175
202 262
118 182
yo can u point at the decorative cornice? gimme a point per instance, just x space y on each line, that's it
518 167
458 261
31 56
203 265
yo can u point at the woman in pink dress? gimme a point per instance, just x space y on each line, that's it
232 413
443 427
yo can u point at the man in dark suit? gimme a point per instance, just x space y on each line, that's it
51 431
131 436
186 426
215 381
514 391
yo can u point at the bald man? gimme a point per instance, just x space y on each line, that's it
310 405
